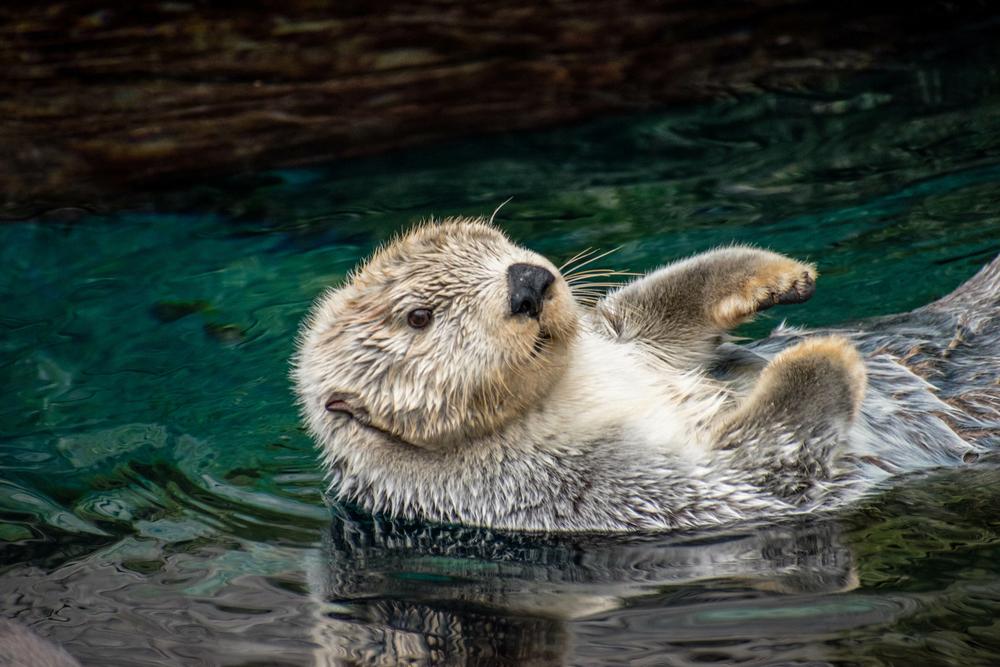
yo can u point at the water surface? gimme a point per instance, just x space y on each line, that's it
159 503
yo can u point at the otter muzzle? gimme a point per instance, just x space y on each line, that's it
527 284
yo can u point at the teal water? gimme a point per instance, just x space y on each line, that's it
159 503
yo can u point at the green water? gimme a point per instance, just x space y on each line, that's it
159 503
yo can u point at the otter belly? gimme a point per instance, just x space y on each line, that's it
615 388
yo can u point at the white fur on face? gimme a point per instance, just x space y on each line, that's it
473 368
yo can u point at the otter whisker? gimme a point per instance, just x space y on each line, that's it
589 293
586 272
593 283
585 283
497 209
589 300
591 260
576 257
584 258
601 272
585 286
587 290
594 269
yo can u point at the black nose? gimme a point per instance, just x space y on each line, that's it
527 284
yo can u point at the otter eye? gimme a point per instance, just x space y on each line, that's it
419 318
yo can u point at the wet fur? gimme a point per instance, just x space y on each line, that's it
635 414
20 647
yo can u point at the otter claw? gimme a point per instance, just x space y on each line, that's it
800 291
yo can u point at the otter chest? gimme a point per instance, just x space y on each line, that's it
614 387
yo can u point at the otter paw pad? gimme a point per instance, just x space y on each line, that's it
799 291
772 283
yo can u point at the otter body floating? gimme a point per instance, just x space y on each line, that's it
459 378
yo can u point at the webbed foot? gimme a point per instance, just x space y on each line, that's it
819 379
787 433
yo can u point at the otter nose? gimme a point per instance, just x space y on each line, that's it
527 284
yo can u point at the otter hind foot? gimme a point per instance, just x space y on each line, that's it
819 379
788 431
774 280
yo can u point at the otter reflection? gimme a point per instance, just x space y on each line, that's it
394 592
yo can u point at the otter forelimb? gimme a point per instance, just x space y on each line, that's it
684 308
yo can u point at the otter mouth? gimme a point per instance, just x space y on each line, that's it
542 339
348 405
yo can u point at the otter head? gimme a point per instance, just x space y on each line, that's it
442 337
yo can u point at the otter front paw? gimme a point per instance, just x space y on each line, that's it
770 280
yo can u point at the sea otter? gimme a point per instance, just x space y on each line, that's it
457 377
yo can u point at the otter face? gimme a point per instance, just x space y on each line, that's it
441 337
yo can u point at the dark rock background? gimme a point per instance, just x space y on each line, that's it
100 98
